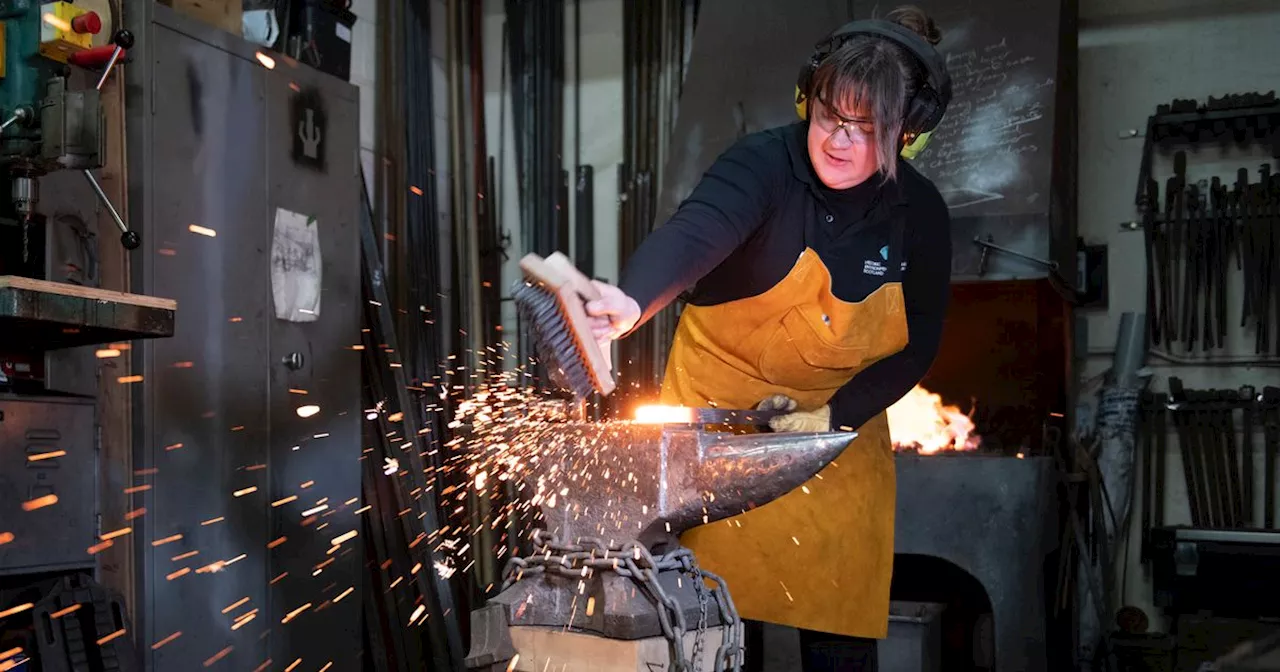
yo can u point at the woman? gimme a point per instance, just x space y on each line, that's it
819 263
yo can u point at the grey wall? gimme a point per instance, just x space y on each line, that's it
1135 54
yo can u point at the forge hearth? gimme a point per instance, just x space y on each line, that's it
1005 356
994 519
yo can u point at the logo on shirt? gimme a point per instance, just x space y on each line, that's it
877 267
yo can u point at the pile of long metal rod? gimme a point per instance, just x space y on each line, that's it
1216 432
475 262
422 300
398 591
536 56
655 52
476 254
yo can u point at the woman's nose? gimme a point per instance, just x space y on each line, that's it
839 139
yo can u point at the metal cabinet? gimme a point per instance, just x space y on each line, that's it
46 463
247 439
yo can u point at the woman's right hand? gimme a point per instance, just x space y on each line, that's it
613 314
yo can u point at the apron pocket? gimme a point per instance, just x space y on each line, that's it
803 354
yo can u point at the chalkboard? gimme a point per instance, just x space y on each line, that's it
741 79
993 158
992 154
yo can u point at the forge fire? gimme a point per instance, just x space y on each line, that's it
921 422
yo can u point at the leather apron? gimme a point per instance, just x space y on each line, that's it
822 559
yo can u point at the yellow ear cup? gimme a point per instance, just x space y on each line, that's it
802 104
916 146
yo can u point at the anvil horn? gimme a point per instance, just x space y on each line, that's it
646 482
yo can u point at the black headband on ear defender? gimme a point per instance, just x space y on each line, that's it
925 109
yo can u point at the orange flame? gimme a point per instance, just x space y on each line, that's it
920 421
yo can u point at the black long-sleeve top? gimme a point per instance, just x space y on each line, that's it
757 208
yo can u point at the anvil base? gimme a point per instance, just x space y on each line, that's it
542 649
547 615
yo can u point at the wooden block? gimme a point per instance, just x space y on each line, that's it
544 649
225 14
78 291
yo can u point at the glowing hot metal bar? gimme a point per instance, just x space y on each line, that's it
685 415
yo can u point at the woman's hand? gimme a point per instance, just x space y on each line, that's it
793 420
613 314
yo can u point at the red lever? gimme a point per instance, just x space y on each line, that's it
89 22
94 57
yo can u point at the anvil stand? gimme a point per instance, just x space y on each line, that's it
591 606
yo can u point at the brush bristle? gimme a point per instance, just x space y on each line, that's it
555 342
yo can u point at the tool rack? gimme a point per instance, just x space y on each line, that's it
1216 432
1199 231
1224 564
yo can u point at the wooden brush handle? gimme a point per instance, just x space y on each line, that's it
575 278
560 276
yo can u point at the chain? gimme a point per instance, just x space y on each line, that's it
701 589
632 560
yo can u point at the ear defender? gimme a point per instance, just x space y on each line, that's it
913 149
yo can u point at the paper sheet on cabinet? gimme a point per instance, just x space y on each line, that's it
295 267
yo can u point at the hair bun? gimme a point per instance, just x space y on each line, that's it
913 18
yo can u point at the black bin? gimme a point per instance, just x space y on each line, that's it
320 34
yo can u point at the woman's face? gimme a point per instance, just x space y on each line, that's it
842 147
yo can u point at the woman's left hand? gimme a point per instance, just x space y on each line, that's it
818 420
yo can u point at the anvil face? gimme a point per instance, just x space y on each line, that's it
618 481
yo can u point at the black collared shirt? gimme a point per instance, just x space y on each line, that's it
760 205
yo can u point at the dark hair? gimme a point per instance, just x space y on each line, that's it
879 76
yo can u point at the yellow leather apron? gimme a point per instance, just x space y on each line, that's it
822 559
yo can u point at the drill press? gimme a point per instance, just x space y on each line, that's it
47 125
48 455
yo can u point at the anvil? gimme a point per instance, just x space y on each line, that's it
624 481
651 482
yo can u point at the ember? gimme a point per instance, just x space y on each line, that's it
921 422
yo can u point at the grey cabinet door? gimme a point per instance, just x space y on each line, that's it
315 453
208 420
248 488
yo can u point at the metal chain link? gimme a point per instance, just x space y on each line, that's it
632 560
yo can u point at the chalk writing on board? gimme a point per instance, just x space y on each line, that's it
996 118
